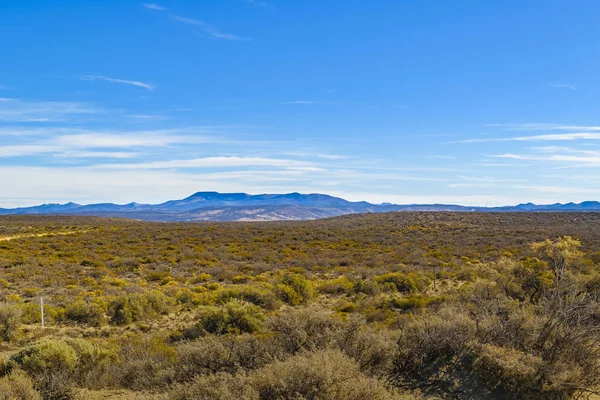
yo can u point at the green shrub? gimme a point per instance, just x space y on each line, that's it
367 287
31 313
250 294
294 289
414 301
91 313
339 285
51 365
288 294
401 282
159 303
233 317
157 276
46 356
139 306
10 320
127 309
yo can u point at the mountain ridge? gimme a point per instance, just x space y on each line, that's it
215 206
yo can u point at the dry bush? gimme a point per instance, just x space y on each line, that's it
214 354
220 386
509 372
431 347
17 386
308 328
323 375
373 349
143 363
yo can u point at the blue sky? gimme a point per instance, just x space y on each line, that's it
469 102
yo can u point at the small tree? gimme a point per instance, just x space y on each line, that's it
559 254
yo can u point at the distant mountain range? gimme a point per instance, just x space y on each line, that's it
213 206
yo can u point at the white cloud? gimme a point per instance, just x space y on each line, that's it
546 126
305 102
561 137
98 154
156 7
559 189
69 140
115 80
96 140
549 154
539 138
207 28
214 162
564 86
488 179
17 110
317 155
26 150
147 117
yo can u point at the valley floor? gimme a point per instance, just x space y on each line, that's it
378 306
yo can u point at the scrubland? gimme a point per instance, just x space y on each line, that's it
375 306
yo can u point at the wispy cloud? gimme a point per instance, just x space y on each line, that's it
557 154
315 155
115 80
305 102
558 189
564 86
545 127
215 162
156 7
207 28
27 150
98 154
16 110
539 138
488 179
105 140
203 26
147 117
481 182
71 142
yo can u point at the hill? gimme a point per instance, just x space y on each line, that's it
213 206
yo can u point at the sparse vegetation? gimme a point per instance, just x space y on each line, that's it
382 306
